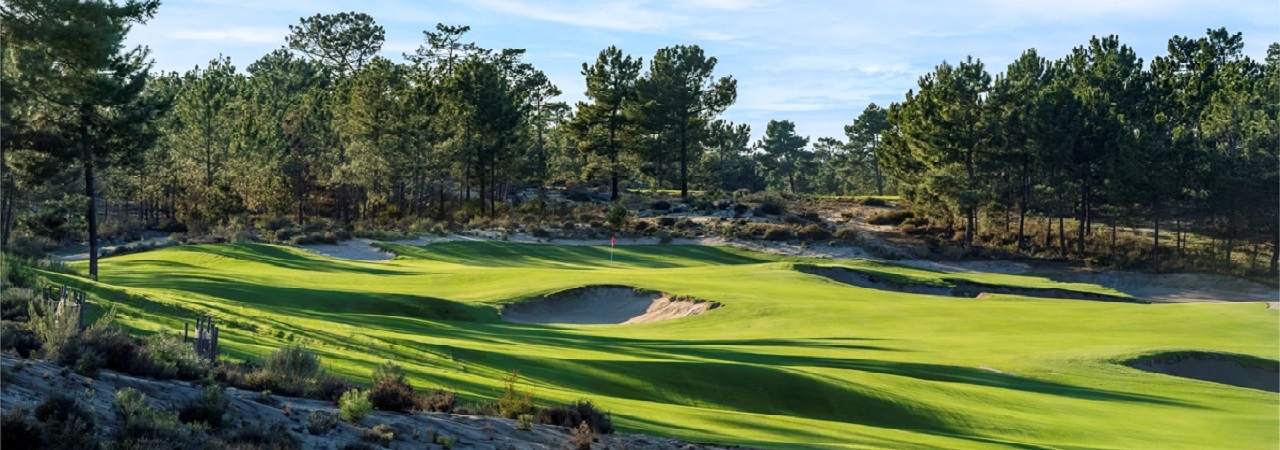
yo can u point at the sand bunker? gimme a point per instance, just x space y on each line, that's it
604 305
960 288
1215 368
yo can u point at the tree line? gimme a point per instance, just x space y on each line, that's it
324 128
1099 138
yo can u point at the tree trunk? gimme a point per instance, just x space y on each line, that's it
91 214
1155 250
684 163
1022 223
875 163
1062 236
1048 233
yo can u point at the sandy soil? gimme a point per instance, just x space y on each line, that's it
960 289
33 383
355 249
80 252
603 305
1213 368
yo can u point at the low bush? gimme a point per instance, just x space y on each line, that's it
329 388
813 232
661 205
165 356
391 394
740 209
439 400
582 437
617 217
524 422
847 234
581 411
778 234
641 226
275 436
873 201
16 431
382 434
514 402
14 302
17 338
291 370
354 405
388 370
811 216
893 217
666 221
209 408
769 209
540 232
320 422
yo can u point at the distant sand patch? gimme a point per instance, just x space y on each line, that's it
1220 368
959 288
604 305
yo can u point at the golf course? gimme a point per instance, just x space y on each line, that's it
778 357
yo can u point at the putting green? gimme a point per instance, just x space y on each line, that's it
791 360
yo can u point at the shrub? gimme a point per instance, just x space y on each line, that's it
794 220
811 216
320 422
18 432
61 409
209 408
291 369
446 441
114 345
56 327
354 405
740 209
514 402
439 400
847 234
578 196
770 209
357 446
666 221
778 234
582 437
890 217
664 237
14 302
382 434
390 394
813 232
873 201
524 422
329 388
540 232
19 339
661 205
388 370
580 412
166 356
617 216
641 226
275 436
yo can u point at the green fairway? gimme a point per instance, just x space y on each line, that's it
790 361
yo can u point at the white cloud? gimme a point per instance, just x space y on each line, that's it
726 5
254 35
613 15
714 36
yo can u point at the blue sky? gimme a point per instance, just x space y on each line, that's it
817 63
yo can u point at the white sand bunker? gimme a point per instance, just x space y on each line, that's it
1221 368
604 305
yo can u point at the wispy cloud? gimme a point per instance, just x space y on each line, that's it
255 35
613 15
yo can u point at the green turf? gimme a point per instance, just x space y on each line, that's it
791 360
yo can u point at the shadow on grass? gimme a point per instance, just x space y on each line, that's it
278 256
502 254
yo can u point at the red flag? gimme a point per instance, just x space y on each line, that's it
613 241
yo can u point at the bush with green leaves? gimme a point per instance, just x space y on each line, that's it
514 402
892 217
320 422
166 356
210 408
354 405
391 394
291 370
813 232
579 412
617 216
382 434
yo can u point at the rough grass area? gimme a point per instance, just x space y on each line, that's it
791 361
